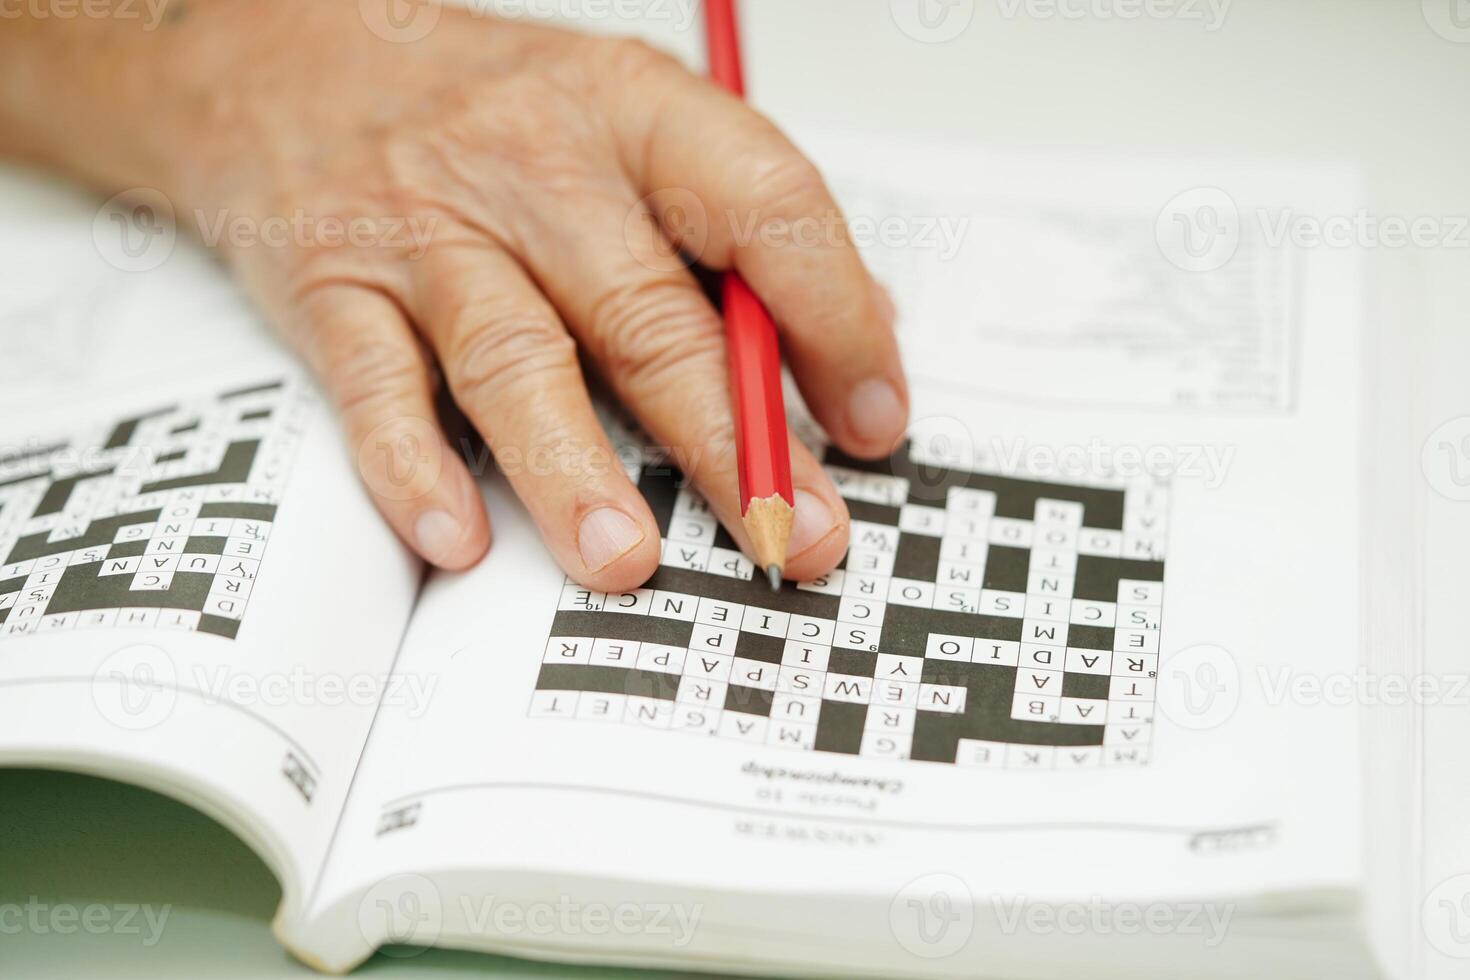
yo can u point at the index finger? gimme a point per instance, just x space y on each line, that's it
768 214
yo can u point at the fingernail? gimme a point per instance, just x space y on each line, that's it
606 535
875 412
436 534
812 523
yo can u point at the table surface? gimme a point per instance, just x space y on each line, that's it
1375 86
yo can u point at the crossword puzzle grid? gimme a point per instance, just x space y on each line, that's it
157 520
978 619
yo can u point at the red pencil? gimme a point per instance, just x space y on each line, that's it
767 504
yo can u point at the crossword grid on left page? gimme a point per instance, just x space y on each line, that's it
159 519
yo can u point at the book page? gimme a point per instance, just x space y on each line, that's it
1063 661
195 593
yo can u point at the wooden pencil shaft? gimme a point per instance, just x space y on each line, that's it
768 523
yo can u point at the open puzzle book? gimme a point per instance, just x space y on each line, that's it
1041 721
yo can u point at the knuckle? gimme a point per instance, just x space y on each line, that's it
710 444
369 375
312 268
560 449
517 103
649 330
786 183
498 351
535 134
491 139
630 59
365 370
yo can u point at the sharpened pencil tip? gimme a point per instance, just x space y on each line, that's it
773 575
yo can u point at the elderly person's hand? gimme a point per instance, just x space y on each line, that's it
512 194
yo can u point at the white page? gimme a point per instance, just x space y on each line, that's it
1249 793
133 673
